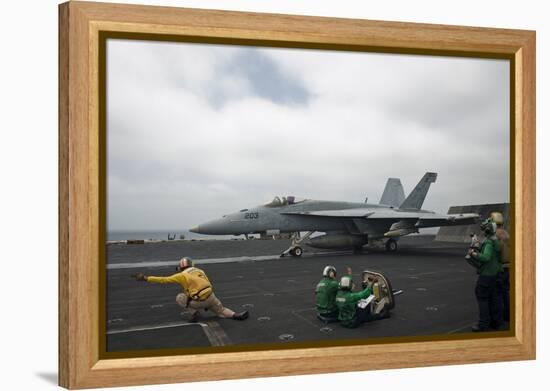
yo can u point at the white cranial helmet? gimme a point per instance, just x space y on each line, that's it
346 282
328 269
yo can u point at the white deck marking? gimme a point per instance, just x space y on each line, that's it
128 265
216 335
155 327
196 261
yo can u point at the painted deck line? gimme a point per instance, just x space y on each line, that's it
206 261
155 327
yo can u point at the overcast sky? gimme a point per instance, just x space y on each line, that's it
196 131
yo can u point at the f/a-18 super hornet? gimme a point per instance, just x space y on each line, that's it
344 224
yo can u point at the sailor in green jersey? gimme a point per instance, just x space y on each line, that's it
352 307
489 267
325 296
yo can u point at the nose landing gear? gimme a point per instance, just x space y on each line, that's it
295 250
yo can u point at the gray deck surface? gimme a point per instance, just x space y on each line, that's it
438 293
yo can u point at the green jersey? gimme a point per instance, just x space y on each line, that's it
347 304
489 258
325 296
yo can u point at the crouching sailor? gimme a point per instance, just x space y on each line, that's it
325 296
197 291
355 308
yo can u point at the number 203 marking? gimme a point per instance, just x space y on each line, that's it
251 215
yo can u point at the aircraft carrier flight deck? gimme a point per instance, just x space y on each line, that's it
437 283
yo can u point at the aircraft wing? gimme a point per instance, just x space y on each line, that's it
447 220
355 212
424 220
412 219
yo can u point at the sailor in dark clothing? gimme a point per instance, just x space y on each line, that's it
489 266
504 277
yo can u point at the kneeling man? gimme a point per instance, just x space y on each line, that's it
197 291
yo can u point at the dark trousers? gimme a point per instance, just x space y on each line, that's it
504 282
363 315
489 300
328 317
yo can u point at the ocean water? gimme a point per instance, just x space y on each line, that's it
120 235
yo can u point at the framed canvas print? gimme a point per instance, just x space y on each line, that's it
261 194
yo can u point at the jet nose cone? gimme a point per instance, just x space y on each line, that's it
196 229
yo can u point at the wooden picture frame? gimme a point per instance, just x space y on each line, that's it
82 161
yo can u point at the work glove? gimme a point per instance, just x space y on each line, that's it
140 277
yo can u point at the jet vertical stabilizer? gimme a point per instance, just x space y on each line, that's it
393 194
418 194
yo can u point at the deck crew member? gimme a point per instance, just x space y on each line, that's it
325 296
350 311
486 291
197 291
504 278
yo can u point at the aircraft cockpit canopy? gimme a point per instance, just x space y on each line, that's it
283 201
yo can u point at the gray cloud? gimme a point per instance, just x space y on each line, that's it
197 131
266 79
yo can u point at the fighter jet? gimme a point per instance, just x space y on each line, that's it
342 224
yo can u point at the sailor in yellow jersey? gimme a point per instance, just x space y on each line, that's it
197 291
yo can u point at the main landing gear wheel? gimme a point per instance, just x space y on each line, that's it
391 246
296 252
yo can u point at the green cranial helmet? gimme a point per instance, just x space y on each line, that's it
346 283
488 226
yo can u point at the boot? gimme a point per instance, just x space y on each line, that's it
240 315
477 329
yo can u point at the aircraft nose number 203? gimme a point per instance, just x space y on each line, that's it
251 215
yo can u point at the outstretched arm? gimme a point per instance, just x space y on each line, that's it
356 296
159 280
163 280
